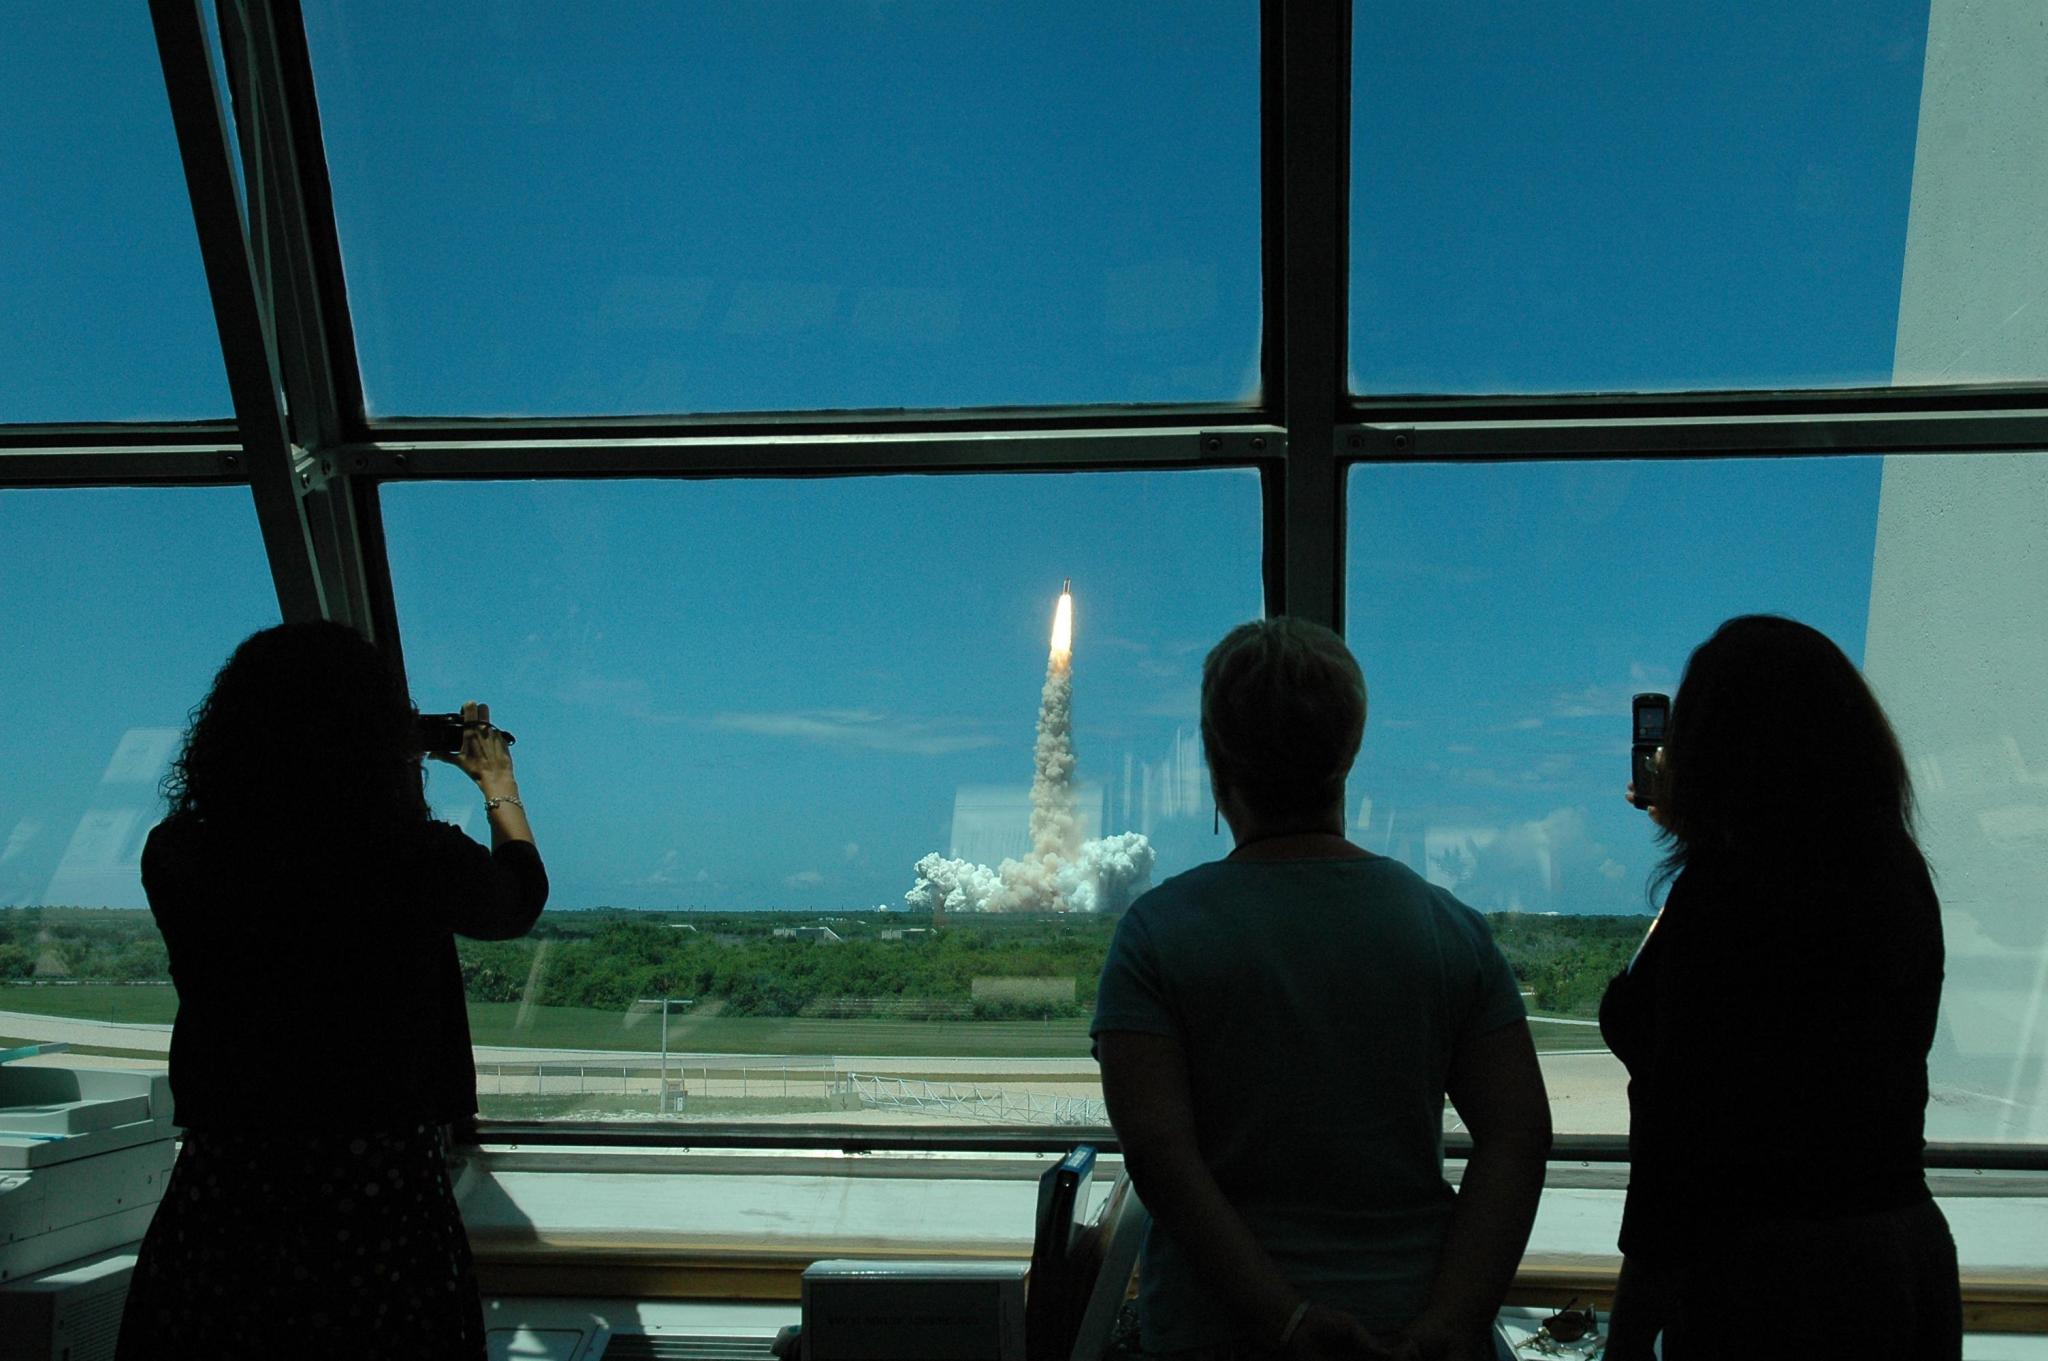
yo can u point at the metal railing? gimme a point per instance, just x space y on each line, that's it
971 1102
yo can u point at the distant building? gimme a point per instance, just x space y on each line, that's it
1030 991
823 935
906 933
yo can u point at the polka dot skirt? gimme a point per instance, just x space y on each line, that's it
306 1245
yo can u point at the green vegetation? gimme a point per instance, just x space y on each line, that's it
1567 961
762 982
111 944
605 960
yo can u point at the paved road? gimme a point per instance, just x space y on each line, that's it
1588 1090
105 1034
157 1039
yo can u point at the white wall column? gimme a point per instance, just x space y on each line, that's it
1958 633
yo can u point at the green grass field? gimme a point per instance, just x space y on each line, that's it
1552 1037
496 1023
94 1002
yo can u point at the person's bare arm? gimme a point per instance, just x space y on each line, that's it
1145 1084
1498 1089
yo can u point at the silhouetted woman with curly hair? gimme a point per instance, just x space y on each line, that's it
310 906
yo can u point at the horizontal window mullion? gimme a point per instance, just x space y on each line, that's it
172 465
1717 436
796 455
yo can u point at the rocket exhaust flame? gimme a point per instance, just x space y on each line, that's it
1063 627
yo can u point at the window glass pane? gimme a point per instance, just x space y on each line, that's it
606 209
1504 615
117 607
1683 196
751 708
108 312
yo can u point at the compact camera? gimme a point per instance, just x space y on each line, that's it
443 733
1650 713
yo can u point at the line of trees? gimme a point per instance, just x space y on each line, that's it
1567 961
1564 961
756 973
120 946
605 959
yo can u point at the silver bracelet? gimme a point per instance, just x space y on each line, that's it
491 805
1293 1322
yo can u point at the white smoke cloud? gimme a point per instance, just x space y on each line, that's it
1061 872
1108 873
952 886
1104 875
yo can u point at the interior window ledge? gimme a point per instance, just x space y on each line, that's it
741 1225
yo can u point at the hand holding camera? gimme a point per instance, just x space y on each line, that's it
468 742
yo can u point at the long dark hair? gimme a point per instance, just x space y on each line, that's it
1778 753
307 727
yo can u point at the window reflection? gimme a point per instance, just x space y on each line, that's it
117 607
779 738
1504 614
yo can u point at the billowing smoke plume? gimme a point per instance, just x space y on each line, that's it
1106 874
1033 883
953 886
1061 872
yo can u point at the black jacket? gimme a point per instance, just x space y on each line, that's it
1775 1028
324 984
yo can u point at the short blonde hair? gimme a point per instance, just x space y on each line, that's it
1283 712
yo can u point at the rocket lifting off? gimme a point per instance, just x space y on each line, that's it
1063 629
1065 870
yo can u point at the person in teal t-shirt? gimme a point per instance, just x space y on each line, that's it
1277 1033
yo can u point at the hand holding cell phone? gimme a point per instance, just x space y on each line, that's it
1650 715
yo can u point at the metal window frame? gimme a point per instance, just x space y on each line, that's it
314 462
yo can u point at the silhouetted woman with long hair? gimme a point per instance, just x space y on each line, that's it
1776 1023
310 905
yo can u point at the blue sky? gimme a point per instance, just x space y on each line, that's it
756 694
742 206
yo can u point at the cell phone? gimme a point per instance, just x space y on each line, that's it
1649 715
443 733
